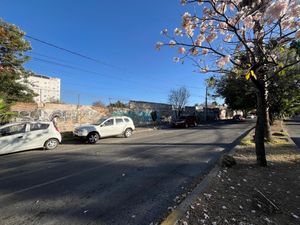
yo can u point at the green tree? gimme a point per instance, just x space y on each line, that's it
13 47
98 103
238 94
5 114
117 104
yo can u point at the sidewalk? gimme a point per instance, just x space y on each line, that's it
247 194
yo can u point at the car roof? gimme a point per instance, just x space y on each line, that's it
22 122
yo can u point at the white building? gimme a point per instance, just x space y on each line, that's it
47 88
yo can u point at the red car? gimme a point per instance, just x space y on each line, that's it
238 118
185 121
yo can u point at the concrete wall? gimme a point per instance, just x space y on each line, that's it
67 116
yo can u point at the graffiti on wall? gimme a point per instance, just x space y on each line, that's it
139 117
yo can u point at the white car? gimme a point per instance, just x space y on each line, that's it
113 126
15 137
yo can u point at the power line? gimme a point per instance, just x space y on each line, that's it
146 86
61 60
74 53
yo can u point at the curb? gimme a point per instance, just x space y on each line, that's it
288 136
179 212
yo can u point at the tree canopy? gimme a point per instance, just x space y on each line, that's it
13 47
117 104
234 36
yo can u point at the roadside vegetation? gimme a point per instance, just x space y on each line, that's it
13 48
249 194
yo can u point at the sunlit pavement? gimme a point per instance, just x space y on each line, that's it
117 181
293 127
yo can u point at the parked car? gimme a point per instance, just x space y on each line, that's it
15 137
112 126
251 116
185 121
238 117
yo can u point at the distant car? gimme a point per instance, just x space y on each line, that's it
251 116
112 126
15 137
238 117
185 121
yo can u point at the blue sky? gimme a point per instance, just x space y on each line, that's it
122 34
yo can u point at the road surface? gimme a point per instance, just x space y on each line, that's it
293 127
117 181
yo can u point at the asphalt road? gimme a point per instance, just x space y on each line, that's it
117 181
293 127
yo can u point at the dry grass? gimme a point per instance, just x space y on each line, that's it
229 199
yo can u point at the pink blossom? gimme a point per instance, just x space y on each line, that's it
223 25
190 31
200 39
236 2
194 51
210 38
206 10
177 31
228 37
248 22
186 20
294 9
227 58
276 10
221 63
172 43
203 27
285 24
231 6
223 60
204 51
232 21
158 45
181 50
222 8
257 16
259 34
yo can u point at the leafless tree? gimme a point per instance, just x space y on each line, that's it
178 98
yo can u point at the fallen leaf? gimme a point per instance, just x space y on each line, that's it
295 216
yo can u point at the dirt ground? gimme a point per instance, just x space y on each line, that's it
247 194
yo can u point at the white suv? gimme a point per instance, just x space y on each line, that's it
112 126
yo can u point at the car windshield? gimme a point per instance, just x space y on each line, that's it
100 121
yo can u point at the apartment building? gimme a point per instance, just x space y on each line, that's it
47 88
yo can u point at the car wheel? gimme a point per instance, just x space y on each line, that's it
128 133
51 144
92 138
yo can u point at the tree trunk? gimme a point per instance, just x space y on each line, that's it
268 133
260 129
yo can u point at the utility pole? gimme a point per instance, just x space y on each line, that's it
205 110
77 110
